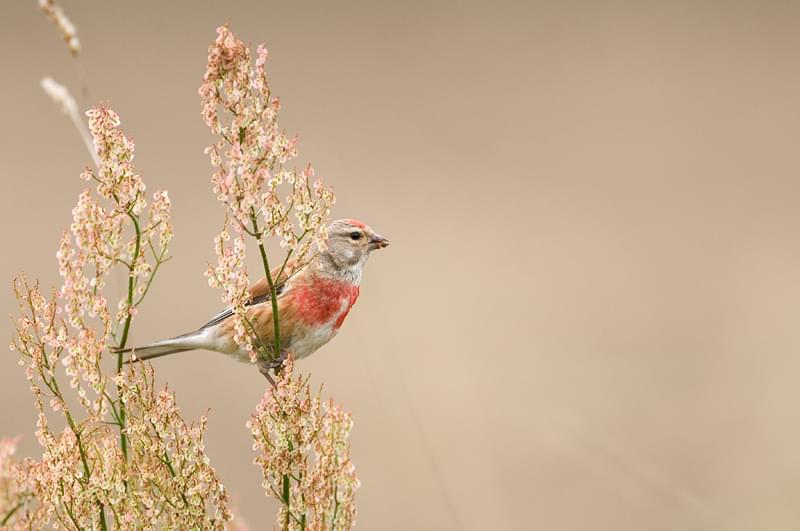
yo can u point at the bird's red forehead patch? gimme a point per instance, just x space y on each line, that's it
356 223
323 300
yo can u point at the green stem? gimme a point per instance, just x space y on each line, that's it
103 524
53 385
288 255
168 462
286 501
336 505
277 348
10 513
160 259
69 510
272 292
131 279
85 463
123 438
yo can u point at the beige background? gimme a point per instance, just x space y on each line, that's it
589 315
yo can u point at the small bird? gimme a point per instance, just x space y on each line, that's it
312 303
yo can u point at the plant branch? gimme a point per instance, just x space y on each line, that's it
123 438
270 281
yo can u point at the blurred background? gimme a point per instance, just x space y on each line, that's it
588 317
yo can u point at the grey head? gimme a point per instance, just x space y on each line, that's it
350 243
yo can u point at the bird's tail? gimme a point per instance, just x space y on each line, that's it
182 343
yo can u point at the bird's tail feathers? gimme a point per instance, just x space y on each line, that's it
182 343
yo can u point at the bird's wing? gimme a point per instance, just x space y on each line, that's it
259 291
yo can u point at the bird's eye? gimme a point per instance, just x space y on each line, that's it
355 235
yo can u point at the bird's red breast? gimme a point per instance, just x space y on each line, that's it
322 300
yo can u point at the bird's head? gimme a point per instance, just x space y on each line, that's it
350 242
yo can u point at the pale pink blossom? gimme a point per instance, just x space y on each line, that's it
263 196
118 452
13 488
303 450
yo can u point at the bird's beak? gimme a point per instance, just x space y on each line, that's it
378 242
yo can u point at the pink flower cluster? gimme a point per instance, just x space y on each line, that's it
304 455
164 479
169 453
263 196
124 455
99 221
15 483
301 440
230 275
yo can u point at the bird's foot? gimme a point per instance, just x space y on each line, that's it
277 363
265 366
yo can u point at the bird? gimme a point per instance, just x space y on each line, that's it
312 304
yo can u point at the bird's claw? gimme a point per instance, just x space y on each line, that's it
277 363
265 366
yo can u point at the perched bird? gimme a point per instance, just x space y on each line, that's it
312 303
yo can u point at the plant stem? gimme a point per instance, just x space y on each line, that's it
286 501
127 326
272 292
123 438
10 513
167 461
81 450
277 347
